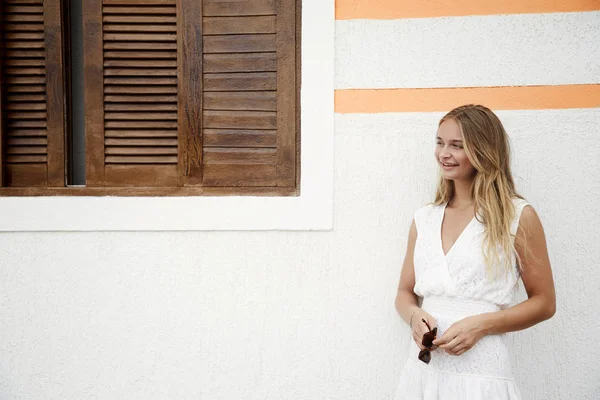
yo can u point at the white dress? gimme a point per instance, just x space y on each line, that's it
454 286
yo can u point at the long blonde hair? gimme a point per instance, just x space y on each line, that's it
487 147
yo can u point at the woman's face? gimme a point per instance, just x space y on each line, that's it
450 152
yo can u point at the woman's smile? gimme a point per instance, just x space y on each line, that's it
448 166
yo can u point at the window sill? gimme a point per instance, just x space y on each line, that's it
79 191
79 213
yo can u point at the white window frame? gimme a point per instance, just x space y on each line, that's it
312 210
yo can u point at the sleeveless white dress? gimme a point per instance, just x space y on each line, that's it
454 286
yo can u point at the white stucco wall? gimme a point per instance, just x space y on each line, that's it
295 314
491 50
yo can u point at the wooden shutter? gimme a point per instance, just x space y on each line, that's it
191 93
32 133
249 107
130 75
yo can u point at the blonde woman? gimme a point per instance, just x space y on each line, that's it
465 254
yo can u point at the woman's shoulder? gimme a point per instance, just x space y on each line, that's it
425 212
519 202
523 212
521 206
427 208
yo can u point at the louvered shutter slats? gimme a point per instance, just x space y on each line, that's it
138 125
33 93
25 161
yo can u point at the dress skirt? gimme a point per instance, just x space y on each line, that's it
481 373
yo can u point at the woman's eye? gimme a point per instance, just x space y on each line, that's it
458 146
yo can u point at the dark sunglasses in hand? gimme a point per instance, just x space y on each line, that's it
428 338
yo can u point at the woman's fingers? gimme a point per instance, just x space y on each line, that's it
445 338
458 350
461 351
452 345
420 328
418 341
430 320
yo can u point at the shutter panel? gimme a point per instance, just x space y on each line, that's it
190 93
249 93
33 93
131 92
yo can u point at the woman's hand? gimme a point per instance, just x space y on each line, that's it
419 328
462 335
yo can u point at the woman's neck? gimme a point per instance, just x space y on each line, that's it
462 194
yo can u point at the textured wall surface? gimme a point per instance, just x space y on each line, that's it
492 50
294 315
306 315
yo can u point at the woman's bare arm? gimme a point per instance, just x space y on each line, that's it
537 279
406 299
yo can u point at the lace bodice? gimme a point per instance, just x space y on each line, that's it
461 272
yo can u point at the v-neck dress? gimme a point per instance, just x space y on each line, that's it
454 286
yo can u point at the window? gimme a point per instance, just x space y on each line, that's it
180 97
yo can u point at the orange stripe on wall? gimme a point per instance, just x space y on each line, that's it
445 99
392 9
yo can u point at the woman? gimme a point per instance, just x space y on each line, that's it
465 254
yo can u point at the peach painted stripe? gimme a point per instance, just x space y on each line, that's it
393 9
445 99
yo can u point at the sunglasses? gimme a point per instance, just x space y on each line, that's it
428 338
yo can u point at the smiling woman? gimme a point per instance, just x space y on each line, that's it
450 151
466 253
